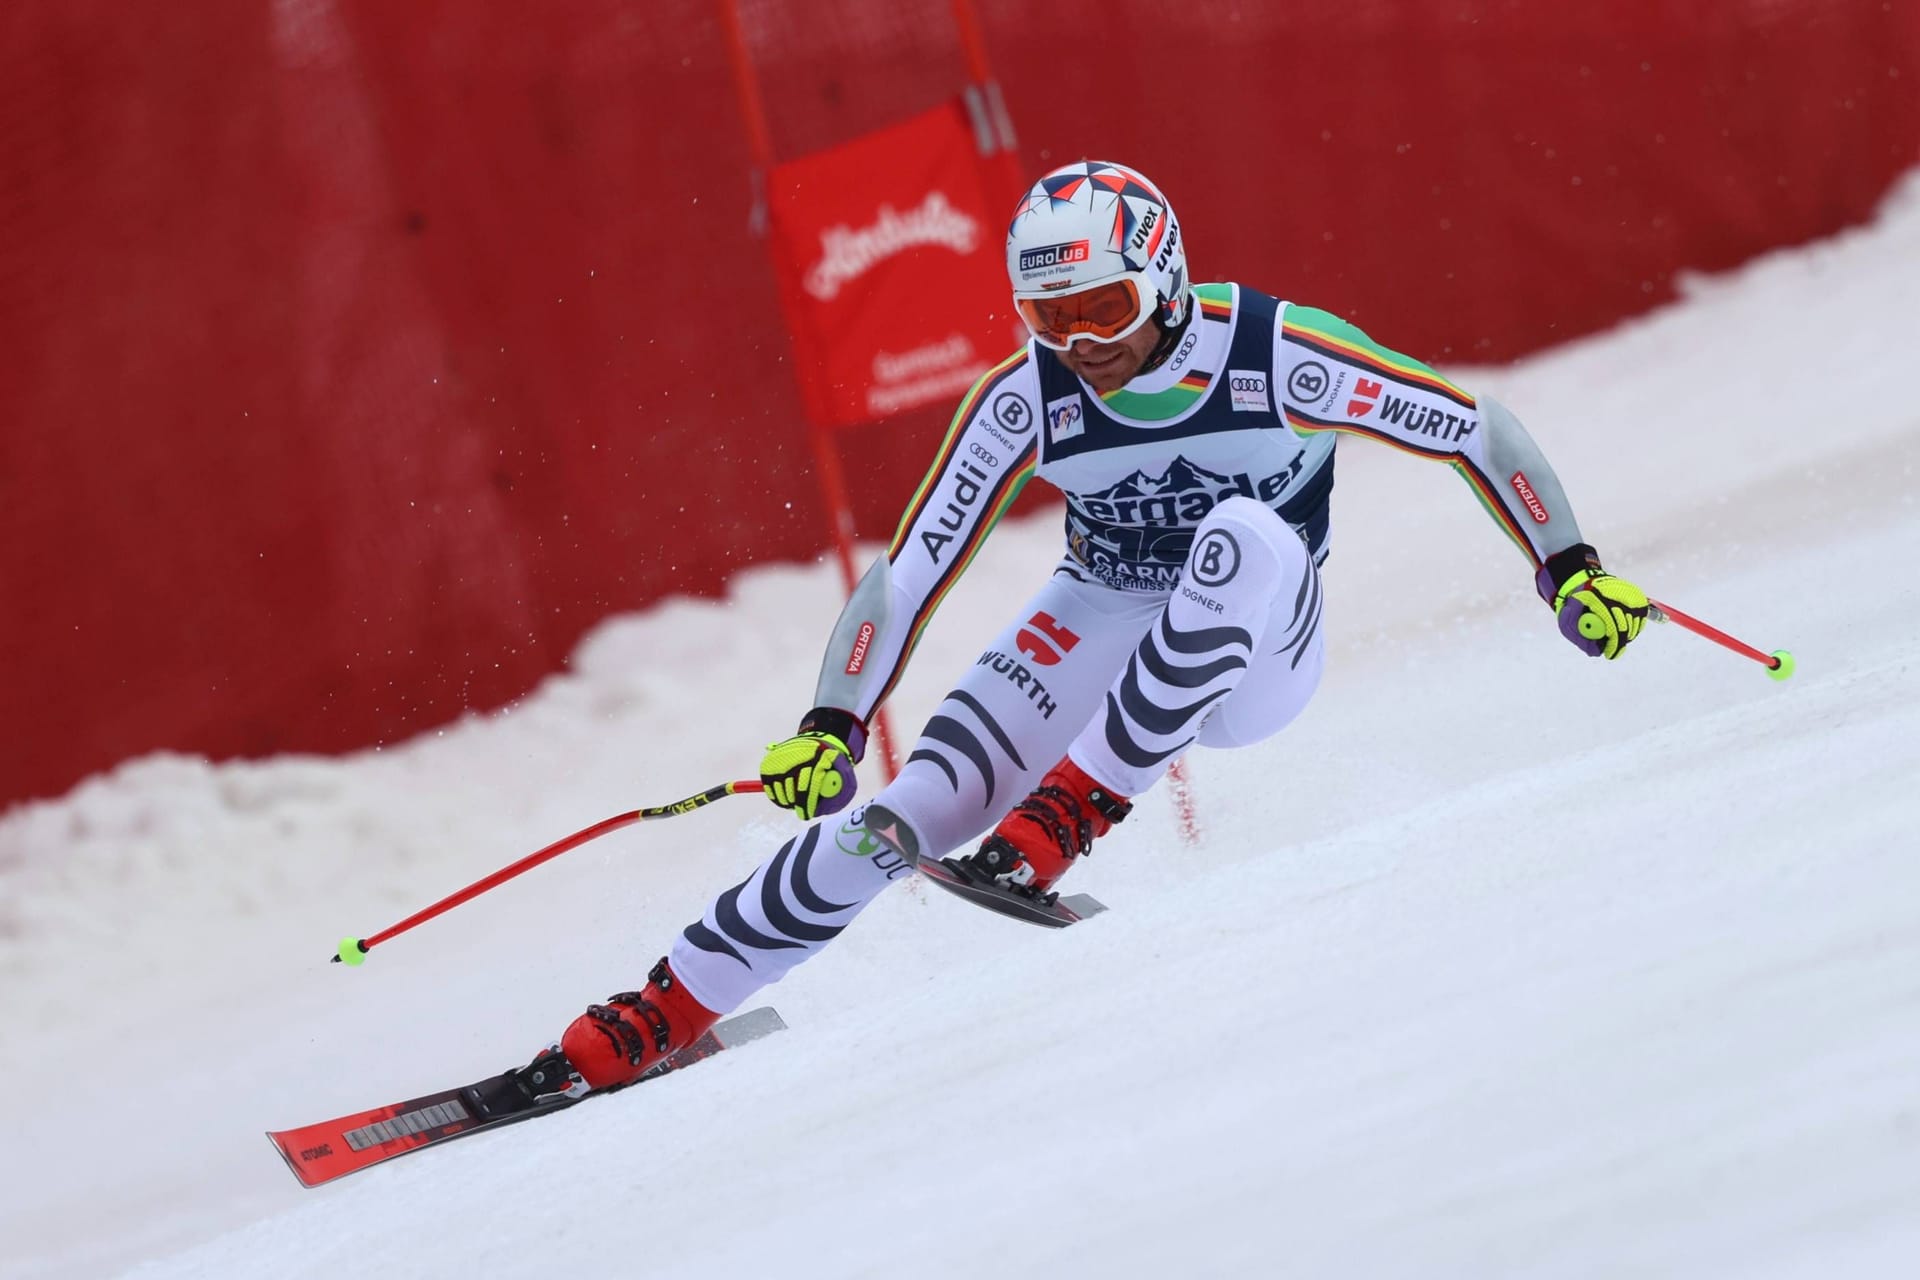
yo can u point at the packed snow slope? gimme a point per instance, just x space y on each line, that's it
1500 962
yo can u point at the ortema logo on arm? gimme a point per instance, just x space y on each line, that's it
860 643
847 254
1535 508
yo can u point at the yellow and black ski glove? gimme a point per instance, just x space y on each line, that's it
1600 613
811 773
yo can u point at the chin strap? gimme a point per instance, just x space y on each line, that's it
1169 339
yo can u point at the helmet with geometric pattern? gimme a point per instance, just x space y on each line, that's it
1093 253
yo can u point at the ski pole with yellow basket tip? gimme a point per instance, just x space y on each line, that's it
1779 663
353 951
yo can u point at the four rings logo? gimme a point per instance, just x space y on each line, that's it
1249 389
1179 360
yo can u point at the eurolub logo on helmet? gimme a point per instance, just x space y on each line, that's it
847 253
1053 255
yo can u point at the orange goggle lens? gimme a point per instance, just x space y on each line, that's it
1104 313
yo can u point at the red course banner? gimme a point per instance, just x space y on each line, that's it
893 279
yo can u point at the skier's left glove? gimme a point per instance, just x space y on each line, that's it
1597 611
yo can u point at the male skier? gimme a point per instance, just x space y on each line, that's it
1192 430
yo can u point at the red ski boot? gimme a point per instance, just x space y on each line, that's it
615 1043
1035 844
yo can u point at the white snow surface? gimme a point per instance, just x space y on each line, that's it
1500 962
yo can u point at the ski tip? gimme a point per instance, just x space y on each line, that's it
351 951
293 1166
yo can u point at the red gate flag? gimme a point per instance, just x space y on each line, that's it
893 276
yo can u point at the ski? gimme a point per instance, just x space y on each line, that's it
320 1153
1050 911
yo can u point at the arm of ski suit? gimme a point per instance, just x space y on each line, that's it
1361 388
985 460
1364 389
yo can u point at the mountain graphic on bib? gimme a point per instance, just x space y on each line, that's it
1180 495
1181 477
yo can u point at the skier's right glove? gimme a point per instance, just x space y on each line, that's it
1600 613
811 773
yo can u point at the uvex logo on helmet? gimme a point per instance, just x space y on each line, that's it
1143 234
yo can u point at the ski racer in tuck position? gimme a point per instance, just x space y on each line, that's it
1192 430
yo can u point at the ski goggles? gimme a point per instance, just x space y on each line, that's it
1105 312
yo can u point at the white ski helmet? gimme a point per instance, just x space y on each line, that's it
1094 251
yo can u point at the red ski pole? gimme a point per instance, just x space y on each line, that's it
1779 663
354 950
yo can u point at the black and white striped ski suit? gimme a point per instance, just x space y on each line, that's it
1187 608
